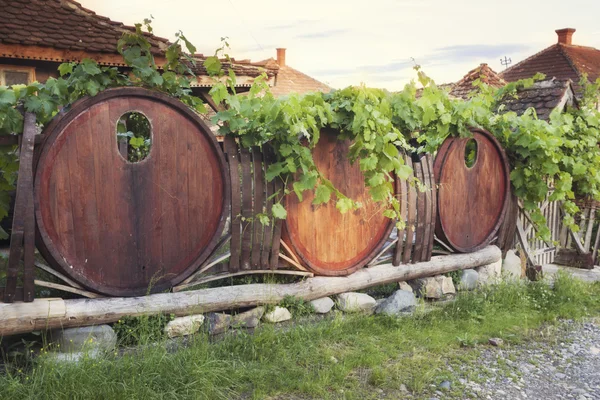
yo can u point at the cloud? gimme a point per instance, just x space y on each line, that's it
322 34
458 53
393 66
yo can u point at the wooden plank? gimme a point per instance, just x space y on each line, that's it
268 230
427 223
26 157
421 205
524 244
572 258
259 194
274 257
401 186
246 207
410 219
22 234
433 207
231 149
589 229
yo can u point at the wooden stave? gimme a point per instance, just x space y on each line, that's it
60 122
442 154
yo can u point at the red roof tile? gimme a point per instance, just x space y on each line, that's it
484 73
65 24
560 61
290 80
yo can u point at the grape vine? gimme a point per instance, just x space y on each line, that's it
379 124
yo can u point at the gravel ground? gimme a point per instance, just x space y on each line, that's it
563 364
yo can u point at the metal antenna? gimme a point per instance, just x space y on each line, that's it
505 62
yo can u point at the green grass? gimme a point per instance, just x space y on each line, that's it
350 356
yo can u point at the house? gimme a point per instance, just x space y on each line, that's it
544 96
37 36
483 73
563 61
290 80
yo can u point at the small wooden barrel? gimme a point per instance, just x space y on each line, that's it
327 241
123 228
472 201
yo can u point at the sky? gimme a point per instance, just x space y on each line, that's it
374 42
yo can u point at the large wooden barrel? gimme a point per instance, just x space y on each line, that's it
472 201
124 228
328 242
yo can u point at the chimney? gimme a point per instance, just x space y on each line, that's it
565 36
281 57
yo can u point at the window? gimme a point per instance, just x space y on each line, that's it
13 75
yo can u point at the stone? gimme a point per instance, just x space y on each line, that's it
490 274
279 314
511 266
72 358
405 286
447 285
496 342
468 279
430 288
218 323
322 305
594 350
184 326
398 302
86 338
356 302
445 385
248 319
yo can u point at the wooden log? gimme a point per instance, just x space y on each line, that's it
52 313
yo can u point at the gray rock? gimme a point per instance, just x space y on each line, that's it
430 288
511 267
279 314
248 319
87 338
405 286
218 323
356 302
496 342
72 358
323 305
445 385
490 274
398 302
184 326
468 279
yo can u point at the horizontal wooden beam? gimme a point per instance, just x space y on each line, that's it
56 313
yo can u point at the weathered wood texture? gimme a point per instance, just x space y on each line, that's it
57 313
572 258
418 209
327 241
123 228
22 240
472 202
508 228
253 246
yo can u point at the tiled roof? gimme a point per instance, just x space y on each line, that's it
240 67
63 24
290 80
484 73
561 61
543 96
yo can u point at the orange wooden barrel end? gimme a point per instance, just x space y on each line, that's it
472 201
123 228
328 242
